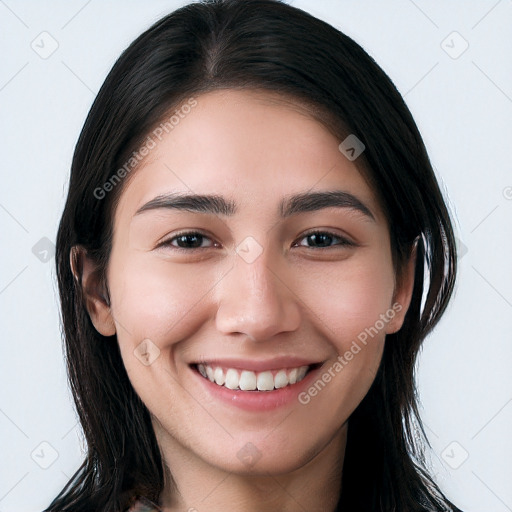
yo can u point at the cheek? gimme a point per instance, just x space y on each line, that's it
350 307
153 299
164 303
351 298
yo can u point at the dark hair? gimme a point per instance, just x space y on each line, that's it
266 45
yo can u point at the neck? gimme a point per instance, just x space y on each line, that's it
196 485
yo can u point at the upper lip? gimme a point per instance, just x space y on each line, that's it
258 365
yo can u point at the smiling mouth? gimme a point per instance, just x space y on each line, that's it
248 380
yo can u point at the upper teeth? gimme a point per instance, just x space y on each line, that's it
247 380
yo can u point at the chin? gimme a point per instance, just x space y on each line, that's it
266 454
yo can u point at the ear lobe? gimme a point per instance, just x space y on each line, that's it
94 291
403 293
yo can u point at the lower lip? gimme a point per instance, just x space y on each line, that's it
258 400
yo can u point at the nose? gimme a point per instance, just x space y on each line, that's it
256 300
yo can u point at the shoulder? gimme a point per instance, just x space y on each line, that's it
142 504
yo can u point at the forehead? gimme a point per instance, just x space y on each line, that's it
253 146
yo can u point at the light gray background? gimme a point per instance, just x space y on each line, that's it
462 102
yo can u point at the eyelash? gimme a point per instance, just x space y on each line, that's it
343 242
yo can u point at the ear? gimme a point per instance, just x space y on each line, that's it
94 290
403 293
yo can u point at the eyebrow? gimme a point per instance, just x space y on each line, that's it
290 205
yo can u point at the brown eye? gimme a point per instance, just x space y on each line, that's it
188 240
324 239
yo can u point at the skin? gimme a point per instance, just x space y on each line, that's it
295 298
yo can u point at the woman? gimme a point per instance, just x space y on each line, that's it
241 264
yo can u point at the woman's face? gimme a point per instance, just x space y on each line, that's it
236 286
